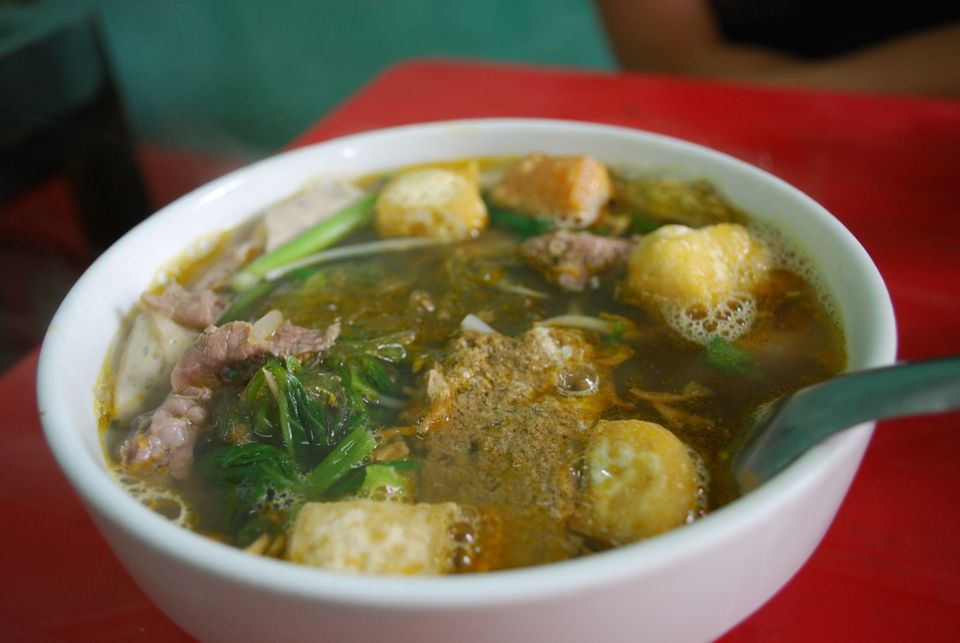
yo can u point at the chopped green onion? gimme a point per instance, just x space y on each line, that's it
382 246
350 453
619 328
320 236
275 377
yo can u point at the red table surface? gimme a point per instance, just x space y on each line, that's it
889 567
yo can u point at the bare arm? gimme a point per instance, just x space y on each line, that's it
921 63
682 37
679 37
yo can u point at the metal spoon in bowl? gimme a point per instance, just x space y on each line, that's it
785 428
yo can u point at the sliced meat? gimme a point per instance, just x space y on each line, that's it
165 443
572 259
193 309
503 430
297 340
233 342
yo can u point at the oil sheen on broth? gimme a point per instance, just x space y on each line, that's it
461 367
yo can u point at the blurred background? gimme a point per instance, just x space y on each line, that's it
110 109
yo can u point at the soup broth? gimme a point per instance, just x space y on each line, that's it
517 389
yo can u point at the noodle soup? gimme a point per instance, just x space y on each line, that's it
467 366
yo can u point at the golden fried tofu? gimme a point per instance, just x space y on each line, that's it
432 202
641 481
383 537
701 280
569 189
700 265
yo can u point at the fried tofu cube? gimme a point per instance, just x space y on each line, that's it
702 281
383 537
702 265
433 202
569 189
641 481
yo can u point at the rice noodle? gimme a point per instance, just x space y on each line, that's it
356 250
517 289
389 402
596 324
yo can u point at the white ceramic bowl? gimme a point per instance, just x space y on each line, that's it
687 585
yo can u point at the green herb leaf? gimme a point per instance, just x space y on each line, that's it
640 224
520 224
250 475
619 328
728 358
304 433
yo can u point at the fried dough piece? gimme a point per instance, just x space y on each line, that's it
382 537
700 265
702 281
641 481
432 202
569 189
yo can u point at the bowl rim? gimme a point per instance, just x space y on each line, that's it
104 497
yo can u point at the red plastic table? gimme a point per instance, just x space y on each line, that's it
888 569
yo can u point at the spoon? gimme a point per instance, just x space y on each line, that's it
785 428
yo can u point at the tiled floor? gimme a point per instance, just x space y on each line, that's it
43 250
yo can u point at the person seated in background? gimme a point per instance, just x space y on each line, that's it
895 47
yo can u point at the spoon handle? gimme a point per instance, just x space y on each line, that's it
793 424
